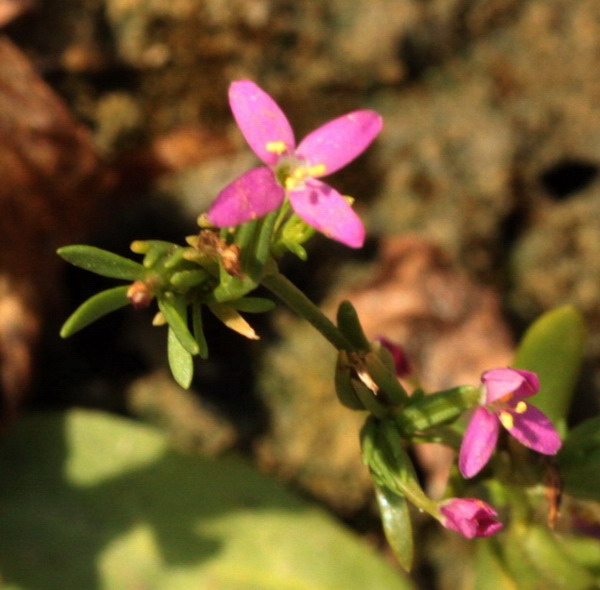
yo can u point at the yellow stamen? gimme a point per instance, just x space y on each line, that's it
291 183
521 407
318 170
507 420
276 147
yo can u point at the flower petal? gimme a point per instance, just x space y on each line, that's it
478 443
260 120
327 211
500 383
470 517
338 142
534 429
252 195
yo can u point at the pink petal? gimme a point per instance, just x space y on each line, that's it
500 383
534 429
252 195
327 211
338 142
470 517
260 120
478 443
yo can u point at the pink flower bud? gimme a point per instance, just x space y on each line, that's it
470 517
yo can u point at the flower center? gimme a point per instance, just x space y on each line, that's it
291 171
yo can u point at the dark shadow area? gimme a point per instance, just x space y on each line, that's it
568 177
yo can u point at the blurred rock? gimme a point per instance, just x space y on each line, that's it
191 424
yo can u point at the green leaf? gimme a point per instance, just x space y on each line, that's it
489 570
175 311
102 262
198 329
349 325
396 525
538 560
94 308
553 348
180 360
252 304
94 501
579 460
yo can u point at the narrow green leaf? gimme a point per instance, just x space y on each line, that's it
262 247
102 262
198 329
180 360
553 348
175 312
349 325
397 525
94 308
252 304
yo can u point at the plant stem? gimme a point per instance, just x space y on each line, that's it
305 308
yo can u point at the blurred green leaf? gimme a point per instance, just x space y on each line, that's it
94 308
175 312
102 262
489 571
181 362
397 525
92 501
553 348
542 562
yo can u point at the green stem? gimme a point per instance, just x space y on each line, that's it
305 308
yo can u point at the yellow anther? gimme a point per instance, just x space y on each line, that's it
276 147
507 420
521 407
318 170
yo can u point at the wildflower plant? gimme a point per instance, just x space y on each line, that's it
498 484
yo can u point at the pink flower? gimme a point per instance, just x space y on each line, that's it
504 392
294 171
470 517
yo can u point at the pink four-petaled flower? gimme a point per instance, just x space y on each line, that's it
470 517
504 391
294 170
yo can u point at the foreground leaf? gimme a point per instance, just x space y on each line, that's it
94 308
553 348
93 501
102 262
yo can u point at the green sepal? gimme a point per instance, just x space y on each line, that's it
295 248
181 362
198 329
185 279
579 460
349 325
102 262
553 349
252 304
232 288
94 308
436 409
385 379
262 247
175 311
397 525
157 249
343 383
